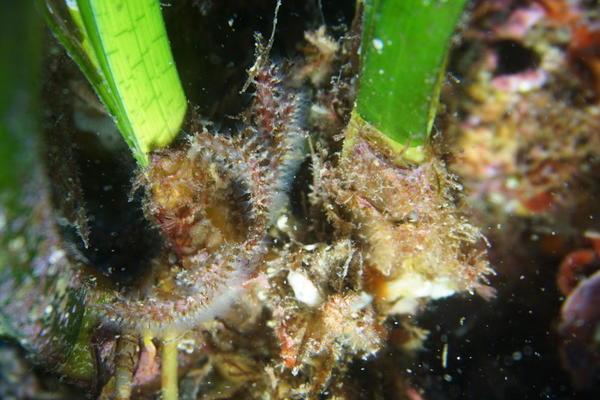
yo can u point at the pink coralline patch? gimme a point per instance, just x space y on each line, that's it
289 348
520 21
148 368
521 82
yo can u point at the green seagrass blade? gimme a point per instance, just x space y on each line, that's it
122 48
404 47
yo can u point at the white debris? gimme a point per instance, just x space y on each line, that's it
187 345
408 305
282 223
310 247
304 290
378 44
56 256
411 285
362 301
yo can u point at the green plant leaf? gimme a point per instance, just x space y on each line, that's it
404 47
122 48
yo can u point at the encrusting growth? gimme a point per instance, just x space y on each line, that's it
397 240
213 200
319 291
277 271
404 217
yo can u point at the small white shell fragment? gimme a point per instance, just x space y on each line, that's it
304 290
412 285
282 223
405 306
310 247
363 300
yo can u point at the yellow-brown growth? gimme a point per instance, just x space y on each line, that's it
415 241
